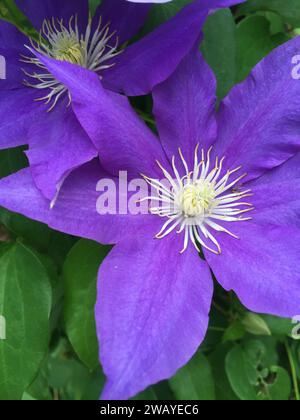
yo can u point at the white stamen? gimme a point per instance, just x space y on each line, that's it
65 43
197 200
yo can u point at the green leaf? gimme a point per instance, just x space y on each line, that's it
240 374
254 42
73 380
251 372
25 302
80 275
93 6
280 387
194 381
219 49
276 22
68 378
224 390
37 235
281 327
261 353
39 389
27 397
10 12
148 395
12 160
288 9
254 324
234 332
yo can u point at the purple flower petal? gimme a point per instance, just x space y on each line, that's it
184 108
277 203
262 267
57 142
122 138
153 59
11 47
288 171
276 195
15 124
259 121
151 313
124 18
75 210
37 11
57 145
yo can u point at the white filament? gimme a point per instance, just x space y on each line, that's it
65 43
198 202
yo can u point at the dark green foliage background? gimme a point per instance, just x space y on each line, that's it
48 280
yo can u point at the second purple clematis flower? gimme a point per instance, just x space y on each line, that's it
235 197
57 143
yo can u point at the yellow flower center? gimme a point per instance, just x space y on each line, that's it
197 199
201 203
92 49
68 48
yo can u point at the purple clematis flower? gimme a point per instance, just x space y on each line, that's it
57 143
235 196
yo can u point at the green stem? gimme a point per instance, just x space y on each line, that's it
217 329
293 370
146 117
